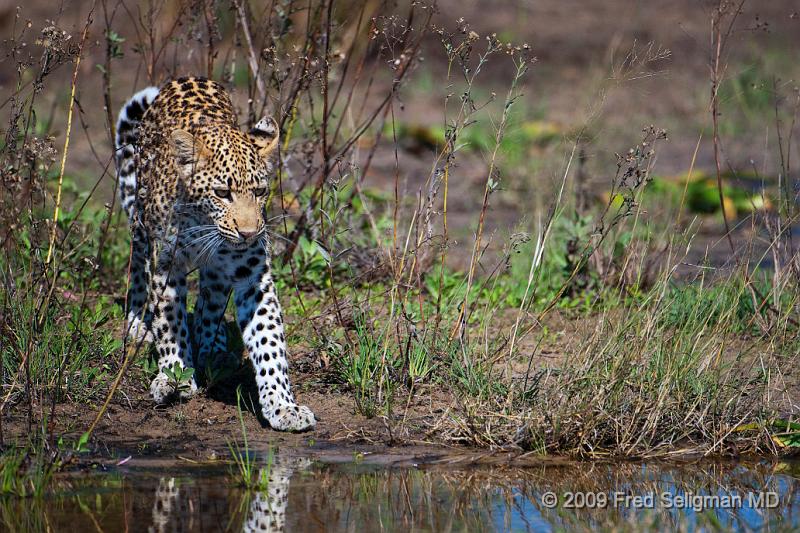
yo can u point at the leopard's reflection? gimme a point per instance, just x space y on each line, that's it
182 508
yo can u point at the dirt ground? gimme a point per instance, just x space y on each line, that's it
202 427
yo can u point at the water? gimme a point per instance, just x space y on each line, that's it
357 493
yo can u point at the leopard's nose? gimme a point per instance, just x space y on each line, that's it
247 234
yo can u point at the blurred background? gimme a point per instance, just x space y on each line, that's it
602 72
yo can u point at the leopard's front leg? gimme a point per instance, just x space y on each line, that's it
259 317
171 333
139 315
210 337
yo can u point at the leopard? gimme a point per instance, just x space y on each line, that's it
173 508
195 188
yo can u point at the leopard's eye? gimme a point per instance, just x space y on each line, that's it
225 194
261 191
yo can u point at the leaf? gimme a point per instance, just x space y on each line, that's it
787 440
324 253
789 437
83 443
783 433
752 426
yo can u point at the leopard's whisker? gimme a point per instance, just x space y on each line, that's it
206 245
278 217
198 240
195 237
209 249
195 229
212 252
192 237
187 204
264 240
277 236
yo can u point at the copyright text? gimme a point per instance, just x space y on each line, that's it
664 500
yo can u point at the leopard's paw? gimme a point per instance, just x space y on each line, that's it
164 391
290 417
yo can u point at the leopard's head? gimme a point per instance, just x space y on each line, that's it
227 177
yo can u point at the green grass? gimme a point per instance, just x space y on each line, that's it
369 368
25 473
248 470
661 372
67 352
60 335
726 303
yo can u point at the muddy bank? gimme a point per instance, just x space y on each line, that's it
202 427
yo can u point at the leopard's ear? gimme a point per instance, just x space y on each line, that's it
188 150
265 136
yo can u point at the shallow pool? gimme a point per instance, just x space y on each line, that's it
362 492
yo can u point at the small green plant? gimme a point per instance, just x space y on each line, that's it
149 368
784 433
474 377
115 44
80 446
368 368
311 266
420 366
179 378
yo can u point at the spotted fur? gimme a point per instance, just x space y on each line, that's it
173 508
194 188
